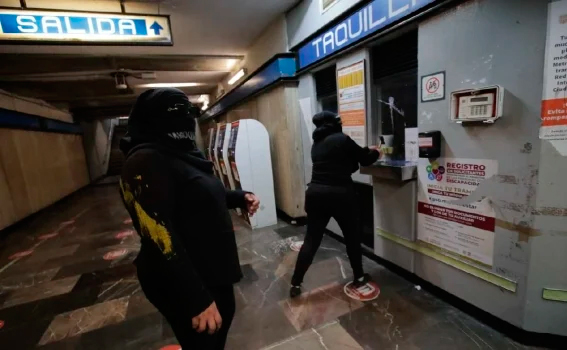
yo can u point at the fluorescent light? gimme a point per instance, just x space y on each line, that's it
166 85
237 76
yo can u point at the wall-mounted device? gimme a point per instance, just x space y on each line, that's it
477 105
430 144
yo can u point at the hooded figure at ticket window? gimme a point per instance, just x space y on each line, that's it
188 260
331 194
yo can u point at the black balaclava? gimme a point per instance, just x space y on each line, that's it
165 117
326 123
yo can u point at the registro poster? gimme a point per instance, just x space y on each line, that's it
554 102
352 101
463 229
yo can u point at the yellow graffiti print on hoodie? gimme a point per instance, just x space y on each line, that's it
149 226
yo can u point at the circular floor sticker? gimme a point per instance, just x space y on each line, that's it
367 292
128 222
296 246
124 234
171 347
47 236
21 254
115 254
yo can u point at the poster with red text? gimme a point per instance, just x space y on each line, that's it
554 101
463 229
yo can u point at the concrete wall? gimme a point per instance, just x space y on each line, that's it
97 142
37 168
307 17
272 41
32 106
487 42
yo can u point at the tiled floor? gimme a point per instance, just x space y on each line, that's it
66 295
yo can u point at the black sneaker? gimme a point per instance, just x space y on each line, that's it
295 291
359 282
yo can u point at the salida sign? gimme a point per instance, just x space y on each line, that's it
366 21
80 28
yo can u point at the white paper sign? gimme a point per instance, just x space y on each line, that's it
433 87
554 101
468 229
412 148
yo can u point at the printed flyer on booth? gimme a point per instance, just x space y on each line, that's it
463 229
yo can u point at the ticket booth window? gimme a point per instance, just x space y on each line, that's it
395 89
326 89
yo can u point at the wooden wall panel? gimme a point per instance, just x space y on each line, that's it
36 170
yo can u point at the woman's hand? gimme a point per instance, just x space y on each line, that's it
252 203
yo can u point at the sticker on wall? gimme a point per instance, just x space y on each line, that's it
296 246
367 292
433 87
20 255
554 102
466 230
115 254
124 234
48 236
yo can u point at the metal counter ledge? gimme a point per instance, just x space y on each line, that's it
399 170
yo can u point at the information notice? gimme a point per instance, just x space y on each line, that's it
352 101
463 229
554 102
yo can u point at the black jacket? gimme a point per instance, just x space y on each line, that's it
181 212
336 156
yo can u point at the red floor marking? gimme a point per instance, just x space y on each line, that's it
115 254
124 234
171 347
20 254
296 246
128 222
369 291
1 324
47 236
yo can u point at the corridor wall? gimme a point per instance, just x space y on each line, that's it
37 168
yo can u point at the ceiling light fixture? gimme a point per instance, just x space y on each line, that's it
237 76
166 85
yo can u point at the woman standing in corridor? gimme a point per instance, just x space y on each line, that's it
331 194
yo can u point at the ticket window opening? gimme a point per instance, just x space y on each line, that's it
477 105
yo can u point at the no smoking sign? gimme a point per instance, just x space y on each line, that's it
433 87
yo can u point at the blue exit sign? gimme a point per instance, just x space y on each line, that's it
83 28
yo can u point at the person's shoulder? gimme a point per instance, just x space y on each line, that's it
338 136
147 159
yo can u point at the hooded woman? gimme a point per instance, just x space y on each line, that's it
331 194
188 260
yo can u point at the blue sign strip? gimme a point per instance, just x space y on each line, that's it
18 120
367 21
79 27
279 68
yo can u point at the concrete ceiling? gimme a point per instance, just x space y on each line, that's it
210 36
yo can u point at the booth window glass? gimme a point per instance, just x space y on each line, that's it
395 86
326 89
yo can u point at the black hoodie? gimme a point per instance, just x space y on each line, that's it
336 156
180 210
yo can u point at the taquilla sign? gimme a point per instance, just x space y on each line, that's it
361 24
